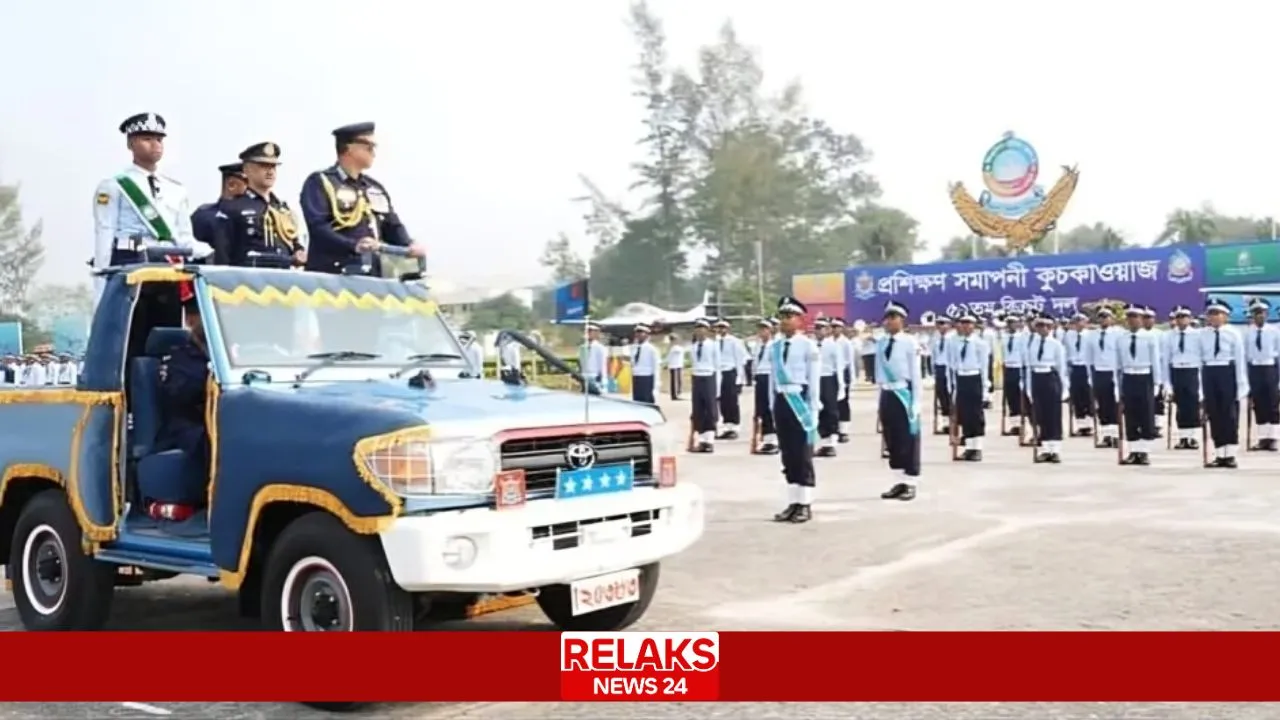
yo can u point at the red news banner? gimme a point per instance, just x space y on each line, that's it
639 666
648 666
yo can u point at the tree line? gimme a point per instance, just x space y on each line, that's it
756 187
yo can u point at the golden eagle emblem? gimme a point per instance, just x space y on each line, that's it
1021 232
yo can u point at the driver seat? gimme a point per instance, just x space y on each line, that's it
168 476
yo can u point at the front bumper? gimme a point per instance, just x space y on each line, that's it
546 542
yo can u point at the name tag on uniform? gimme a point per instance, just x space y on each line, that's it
125 243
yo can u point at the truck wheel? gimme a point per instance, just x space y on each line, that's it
321 577
55 585
558 607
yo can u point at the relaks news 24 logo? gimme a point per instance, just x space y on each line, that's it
650 666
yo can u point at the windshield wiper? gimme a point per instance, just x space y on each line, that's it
416 361
328 359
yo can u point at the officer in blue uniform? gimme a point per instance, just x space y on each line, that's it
1262 348
204 220
184 375
898 375
1140 372
1181 352
762 364
939 352
1046 382
1224 381
257 229
967 361
348 214
1102 346
795 367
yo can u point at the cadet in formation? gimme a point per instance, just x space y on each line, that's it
1073 341
1104 347
139 206
1140 373
258 229
845 353
795 364
204 219
1047 383
831 387
645 365
990 334
898 375
1149 324
1224 381
596 363
348 214
1013 345
1181 353
967 362
762 364
942 375
704 369
732 369
1262 347
675 367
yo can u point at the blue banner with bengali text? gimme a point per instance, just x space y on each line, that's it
1056 284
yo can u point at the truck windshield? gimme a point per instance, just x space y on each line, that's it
284 335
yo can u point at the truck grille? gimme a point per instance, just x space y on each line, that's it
569 535
541 457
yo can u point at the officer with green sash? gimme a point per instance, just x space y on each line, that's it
138 206
898 375
795 370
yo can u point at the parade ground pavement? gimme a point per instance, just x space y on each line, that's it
998 545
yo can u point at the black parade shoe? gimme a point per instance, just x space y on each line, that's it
1085 432
727 435
986 404
802 514
1011 433
1229 463
884 454
1143 459
844 438
768 449
787 513
704 447
1109 443
1193 444
1040 458
1269 446
1055 458
1131 459
900 491
972 456
825 451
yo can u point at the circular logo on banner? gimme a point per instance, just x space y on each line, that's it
1010 167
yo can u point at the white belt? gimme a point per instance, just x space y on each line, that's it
1042 370
1217 363
968 373
703 373
728 369
763 371
790 388
894 386
1010 366
1185 366
1137 371
1262 363
1103 369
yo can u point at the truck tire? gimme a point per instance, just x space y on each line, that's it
55 585
558 607
321 577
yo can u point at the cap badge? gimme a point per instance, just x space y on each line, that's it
269 150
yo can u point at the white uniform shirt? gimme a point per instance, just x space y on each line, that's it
675 356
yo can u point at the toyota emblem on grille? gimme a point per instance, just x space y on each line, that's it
580 455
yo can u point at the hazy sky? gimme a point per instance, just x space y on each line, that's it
488 111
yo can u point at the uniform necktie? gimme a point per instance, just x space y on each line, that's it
760 357
1010 346
942 346
154 184
721 344
1217 341
1040 354
1182 341
1102 339
1258 340
698 354
786 350
964 349
636 358
1133 345
888 349
1079 337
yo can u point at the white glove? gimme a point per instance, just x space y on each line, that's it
915 410
200 250
1066 395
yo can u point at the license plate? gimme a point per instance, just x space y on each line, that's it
602 533
605 591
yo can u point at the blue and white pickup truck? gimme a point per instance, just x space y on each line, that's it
356 480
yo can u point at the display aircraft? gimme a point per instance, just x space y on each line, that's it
621 324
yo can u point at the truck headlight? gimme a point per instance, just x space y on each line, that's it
436 466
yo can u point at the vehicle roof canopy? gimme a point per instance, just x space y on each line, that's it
234 285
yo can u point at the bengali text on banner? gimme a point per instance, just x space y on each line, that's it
646 666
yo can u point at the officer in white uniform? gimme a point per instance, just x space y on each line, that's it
704 368
1046 382
845 355
1140 372
1261 350
794 369
762 365
1181 353
596 363
473 352
1149 324
139 206
733 368
1224 381
644 367
1074 341
675 366
1102 348
898 375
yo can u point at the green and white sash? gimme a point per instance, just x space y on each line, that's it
140 201
794 399
904 395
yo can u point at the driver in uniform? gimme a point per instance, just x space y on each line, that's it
204 219
184 377
140 206
348 214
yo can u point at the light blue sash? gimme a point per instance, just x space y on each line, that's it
903 394
795 400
